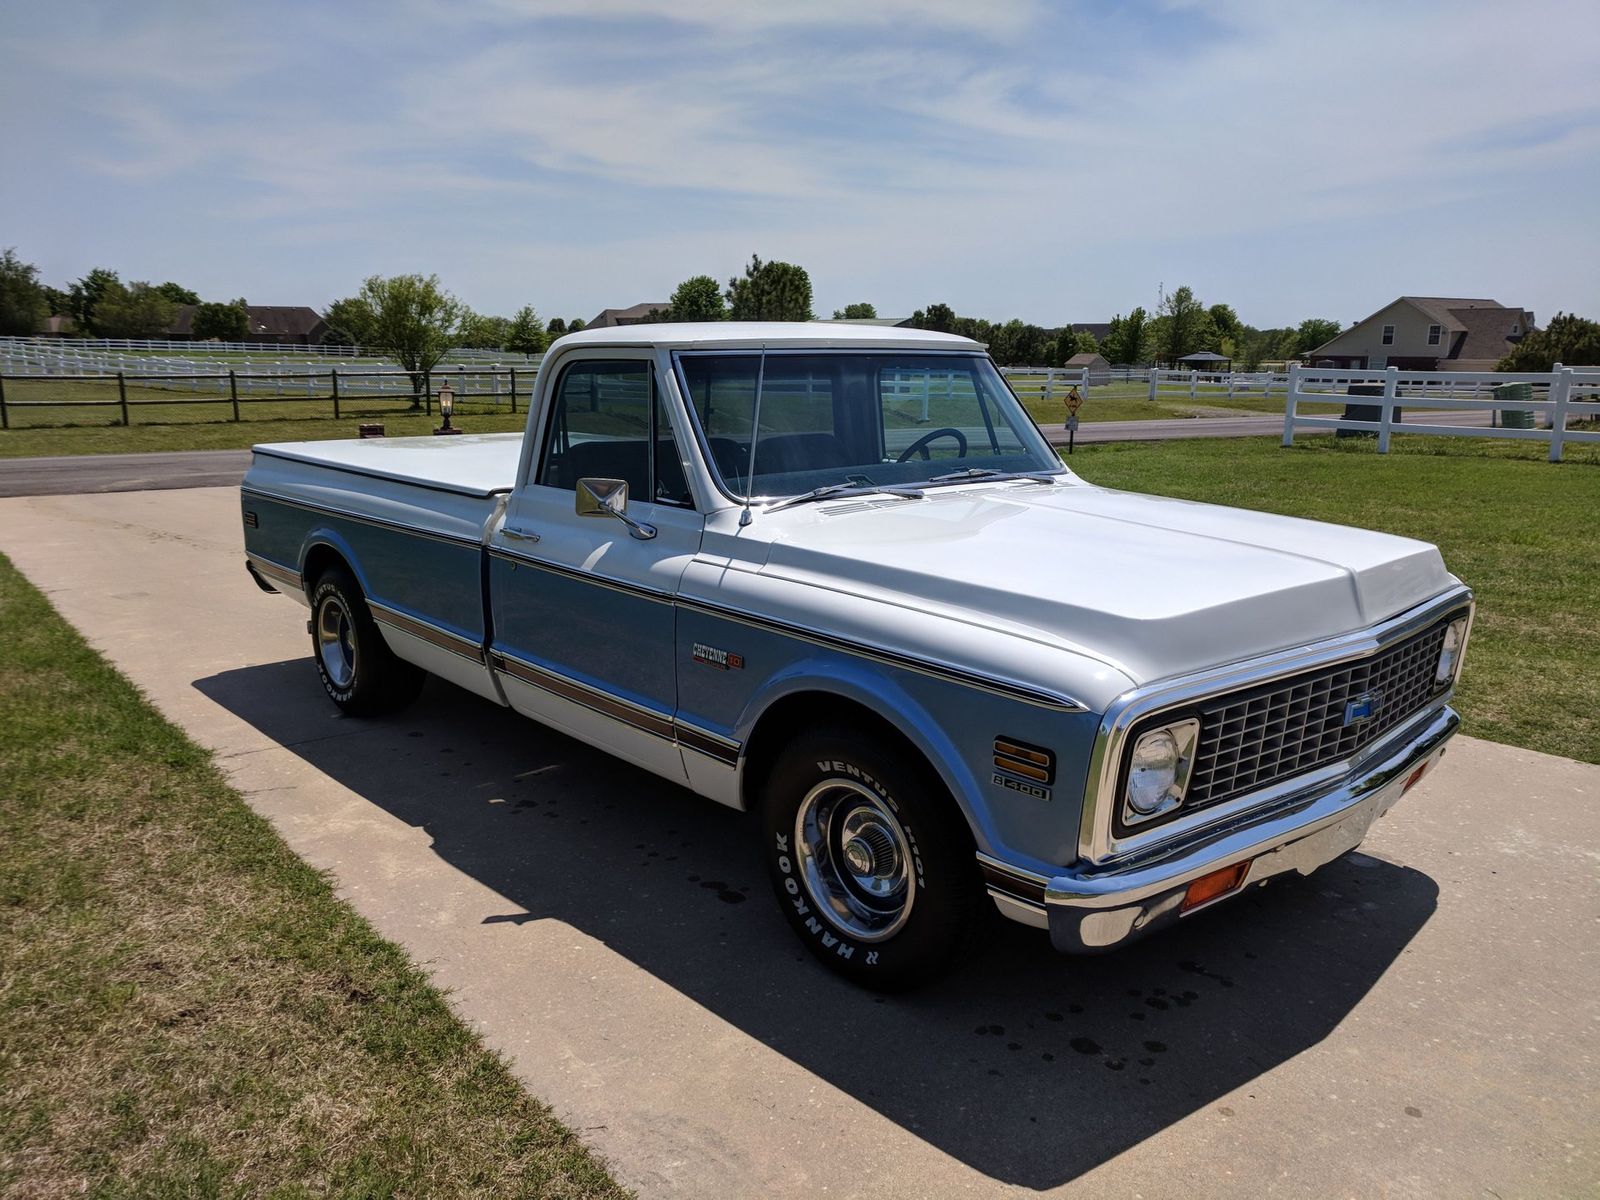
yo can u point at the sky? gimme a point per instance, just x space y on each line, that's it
1057 162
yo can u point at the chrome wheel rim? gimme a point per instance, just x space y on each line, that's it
336 646
855 859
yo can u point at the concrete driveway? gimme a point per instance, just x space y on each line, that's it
1421 1019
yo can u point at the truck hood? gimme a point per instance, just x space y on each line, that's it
1152 586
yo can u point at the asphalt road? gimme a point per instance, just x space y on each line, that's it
88 473
91 473
1418 1019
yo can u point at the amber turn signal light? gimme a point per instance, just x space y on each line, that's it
1215 885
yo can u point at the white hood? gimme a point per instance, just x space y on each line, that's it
1155 587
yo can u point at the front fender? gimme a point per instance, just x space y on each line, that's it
880 692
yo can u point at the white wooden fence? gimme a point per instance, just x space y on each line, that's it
257 373
1560 396
1045 383
1213 385
190 346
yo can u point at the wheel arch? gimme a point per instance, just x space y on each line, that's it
887 710
323 548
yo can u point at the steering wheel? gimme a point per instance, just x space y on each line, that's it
921 444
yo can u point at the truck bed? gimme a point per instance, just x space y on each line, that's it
478 464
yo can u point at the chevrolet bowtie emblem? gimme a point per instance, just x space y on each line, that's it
1363 708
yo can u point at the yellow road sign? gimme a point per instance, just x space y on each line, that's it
1074 401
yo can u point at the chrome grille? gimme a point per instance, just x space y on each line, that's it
1251 740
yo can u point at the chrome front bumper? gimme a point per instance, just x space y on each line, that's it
1094 909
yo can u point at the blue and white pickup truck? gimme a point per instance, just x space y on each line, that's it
834 575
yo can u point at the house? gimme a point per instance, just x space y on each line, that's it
634 314
1428 333
278 324
59 326
1094 362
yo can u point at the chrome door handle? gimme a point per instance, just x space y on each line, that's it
519 535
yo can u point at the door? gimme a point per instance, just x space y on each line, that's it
584 622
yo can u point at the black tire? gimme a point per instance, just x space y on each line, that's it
358 670
841 806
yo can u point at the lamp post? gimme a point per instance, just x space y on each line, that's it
447 407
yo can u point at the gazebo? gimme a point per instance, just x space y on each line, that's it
1205 360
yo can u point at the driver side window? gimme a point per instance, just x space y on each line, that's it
608 421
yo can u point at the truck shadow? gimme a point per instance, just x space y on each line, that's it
1030 1067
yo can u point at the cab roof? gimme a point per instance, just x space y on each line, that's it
772 335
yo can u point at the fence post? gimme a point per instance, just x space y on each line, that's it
1291 393
513 390
1152 383
333 379
233 391
5 418
122 397
427 392
1049 384
1230 384
1561 394
1391 382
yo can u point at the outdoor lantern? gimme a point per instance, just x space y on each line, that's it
447 408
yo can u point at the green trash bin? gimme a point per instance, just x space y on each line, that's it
1515 393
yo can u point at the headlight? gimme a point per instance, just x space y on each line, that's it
1158 771
1455 641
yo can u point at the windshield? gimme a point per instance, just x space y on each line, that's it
837 419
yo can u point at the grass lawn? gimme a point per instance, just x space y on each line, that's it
1517 529
186 1009
178 420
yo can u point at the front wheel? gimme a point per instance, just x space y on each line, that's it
870 860
358 670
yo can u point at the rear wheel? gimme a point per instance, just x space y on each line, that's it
358 670
870 859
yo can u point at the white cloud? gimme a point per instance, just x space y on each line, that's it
905 146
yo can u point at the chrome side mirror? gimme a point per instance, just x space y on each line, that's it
609 498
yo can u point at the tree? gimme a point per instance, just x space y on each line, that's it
1569 340
23 307
855 312
1017 344
58 302
770 291
1225 321
178 294
975 328
479 332
85 293
135 311
1185 325
225 322
1128 339
350 322
526 335
940 318
698 298
1314 332
577 323
557 327
415 321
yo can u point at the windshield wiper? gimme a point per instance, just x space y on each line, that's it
841 489
991 473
